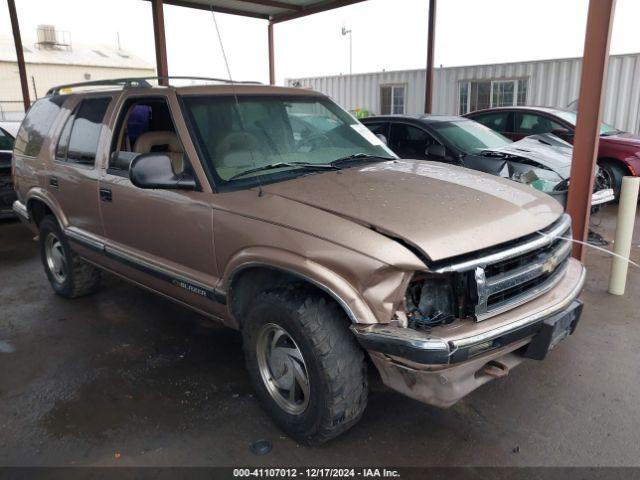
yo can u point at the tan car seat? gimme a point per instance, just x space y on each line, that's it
148 140
237 149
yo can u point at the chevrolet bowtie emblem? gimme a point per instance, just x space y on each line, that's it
550 264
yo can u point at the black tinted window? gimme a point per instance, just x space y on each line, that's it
378 128
407 141
85 132
63 141
36 125
495 121
6 141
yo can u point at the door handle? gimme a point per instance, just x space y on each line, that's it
53 181
105 194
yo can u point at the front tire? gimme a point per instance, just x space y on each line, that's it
614 172
305 365
68 274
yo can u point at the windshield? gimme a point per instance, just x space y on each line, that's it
261 131
469 136
572 117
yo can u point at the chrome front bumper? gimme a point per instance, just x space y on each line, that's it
444 346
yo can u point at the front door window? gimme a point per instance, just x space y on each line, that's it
408 141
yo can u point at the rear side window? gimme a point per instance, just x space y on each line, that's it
495 121
532 124
78 141
36 125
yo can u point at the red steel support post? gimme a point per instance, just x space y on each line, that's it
587 135
157 12
272 66
22 70
428 91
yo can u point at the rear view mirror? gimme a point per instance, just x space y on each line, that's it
382 138
436 151
154 170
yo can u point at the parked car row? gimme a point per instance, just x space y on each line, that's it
618 151
542 161
277 213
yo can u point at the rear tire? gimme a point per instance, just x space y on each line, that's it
68 274
295 332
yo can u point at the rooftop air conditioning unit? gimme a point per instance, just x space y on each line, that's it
47 35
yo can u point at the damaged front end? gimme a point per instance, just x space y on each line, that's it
544 162
473 318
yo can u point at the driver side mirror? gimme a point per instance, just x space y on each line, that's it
561 132
382 138
436 151
154 170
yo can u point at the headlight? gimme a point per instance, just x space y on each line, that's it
430 301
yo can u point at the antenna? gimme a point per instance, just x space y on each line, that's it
235 96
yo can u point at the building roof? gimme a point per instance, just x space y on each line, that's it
77 54
274 10
451 67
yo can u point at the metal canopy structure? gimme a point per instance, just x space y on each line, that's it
273 10
594 73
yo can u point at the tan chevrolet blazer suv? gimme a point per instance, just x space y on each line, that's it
275 212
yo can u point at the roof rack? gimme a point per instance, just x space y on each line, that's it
138 82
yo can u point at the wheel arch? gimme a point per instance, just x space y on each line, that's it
631 169
252 272
40 203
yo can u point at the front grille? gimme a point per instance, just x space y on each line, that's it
524 271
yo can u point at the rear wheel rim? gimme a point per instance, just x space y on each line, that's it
56 260
283 369
605 178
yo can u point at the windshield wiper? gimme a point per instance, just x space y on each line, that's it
359 156
272 166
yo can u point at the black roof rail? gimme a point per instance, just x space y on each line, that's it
140 82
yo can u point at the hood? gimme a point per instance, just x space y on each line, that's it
545 149
441 210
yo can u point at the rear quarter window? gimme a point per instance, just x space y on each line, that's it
36 125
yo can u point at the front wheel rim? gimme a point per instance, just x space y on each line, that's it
56 261
283 369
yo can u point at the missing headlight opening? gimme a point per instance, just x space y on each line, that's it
431 301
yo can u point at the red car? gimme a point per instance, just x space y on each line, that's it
618 153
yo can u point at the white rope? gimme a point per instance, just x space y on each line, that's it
613 254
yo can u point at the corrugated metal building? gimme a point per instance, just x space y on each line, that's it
57 62
462 89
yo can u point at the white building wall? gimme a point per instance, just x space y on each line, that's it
48 75
553 83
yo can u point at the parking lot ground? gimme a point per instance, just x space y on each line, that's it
125 377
